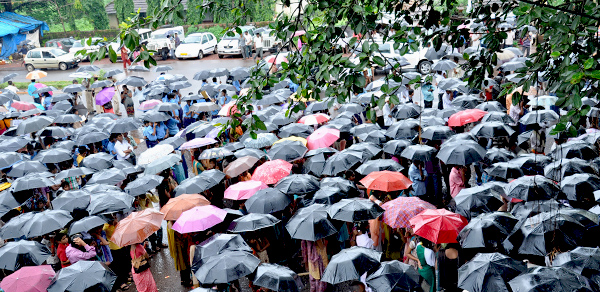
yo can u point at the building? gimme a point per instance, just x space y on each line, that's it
16 29
137 4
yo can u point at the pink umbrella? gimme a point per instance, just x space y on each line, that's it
322 138
40 85
149 104
105 95
199 219
228 109
314 119
244 189
28 279
22 105
271 172
197 143
277 59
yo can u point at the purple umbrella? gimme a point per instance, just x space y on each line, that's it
105 95
197 143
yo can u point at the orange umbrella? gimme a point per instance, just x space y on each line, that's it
386 181
240 165
175 206
136 227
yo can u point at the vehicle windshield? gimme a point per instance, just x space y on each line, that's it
192 39
159 36
77 44
57 52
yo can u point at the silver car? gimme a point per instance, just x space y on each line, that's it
50 58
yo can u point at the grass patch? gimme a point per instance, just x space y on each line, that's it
23 85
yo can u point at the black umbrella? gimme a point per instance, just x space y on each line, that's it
45 89
200 183
351 107
342 161
124 125
9 158
310 223
329 195
239 73
68 119
582 260
555 279
7 202
575 149
317 106
492 130
86 224
218 244
461 153
566 167
53 155
71 200
471 202
505 170
45 222
62 97
59 132
497 117
406 111
350 264
31 181
427 121
88 68
33 124
101 188
315 164
538 117
91 137
298 184
395 147
73 88
404 129
113 72
23 168
101 84
338 182
487 231
496 154
437 133
252 222
155 116
368 149
344 125
491 106
203 130
355 209
394 276
531 208
489 272
31 112
162 163
379 165
364 129
295 129
109 202
98 161
418 152
111 176
531 188
83 275
277 278
17 254
579 187
267 201
73 172
250 152
376 137
8 77
204 74
127 167
143 184
173 141
287 150
226 267
532 163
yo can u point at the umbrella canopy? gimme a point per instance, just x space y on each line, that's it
226 267
218 244
505 170
492 130
240 165
124 125
244 190
298 184
379 165
31 181
262 140
342 161
196 143
277 278
200 183
406 111
17 254
578 187
109 202
7 159
581 260
82 275
395 147
438 226
471 202
355 209
58 132
33 124
86 224
45 222
28 279
310 223
487 231
495 154
322 137
386 181
461 153
98 161
143 184
14 227
252 222
23 168
350 264
154 153
394 276
549 279
71 200
272 172
489 272
176 206
287 150
67 119
111 176
199 219
565 167
136 227
531 188
162 163
267 201
418 152
404 129
14 143
575 149
437 133
400 210
295 129
465 117
91 137
538 117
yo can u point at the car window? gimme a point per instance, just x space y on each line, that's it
50 44
204 39
46 54
58 53
77 44
192 39
34 54
210 37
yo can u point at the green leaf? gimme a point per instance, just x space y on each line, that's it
588 63
576 77
577 101
555 54
594 74
379 61
112 54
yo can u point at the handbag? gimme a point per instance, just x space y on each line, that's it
140 264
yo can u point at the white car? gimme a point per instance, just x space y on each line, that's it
411 60
160 43
196 45
82 44
230 45
144 34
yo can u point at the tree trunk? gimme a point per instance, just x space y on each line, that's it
62 21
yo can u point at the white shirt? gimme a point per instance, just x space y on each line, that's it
447 101
387 120
364 240
429 256
258 42
120 147
248 39
11 88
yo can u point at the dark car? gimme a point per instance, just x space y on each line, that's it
64 44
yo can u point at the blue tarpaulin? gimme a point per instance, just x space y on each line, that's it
13 30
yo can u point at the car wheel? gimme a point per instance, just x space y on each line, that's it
29 67
220 56
180 59
164 54
200 54
63 66
424 67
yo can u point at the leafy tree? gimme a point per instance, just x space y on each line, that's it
124 9
96 13
194 12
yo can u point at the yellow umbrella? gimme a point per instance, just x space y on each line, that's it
292 138
295 94
37 74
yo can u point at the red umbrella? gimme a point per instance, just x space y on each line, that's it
386 181
438 226
464 117
271 172
22 105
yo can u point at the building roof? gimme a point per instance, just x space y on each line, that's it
137 4
12 23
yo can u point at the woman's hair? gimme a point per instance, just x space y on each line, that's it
59 236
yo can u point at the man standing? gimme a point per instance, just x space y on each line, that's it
30 89
258 45
89 95
123 149
177 41
427 91
11 87
248 47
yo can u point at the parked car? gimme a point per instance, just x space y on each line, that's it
160 43
270 41
49 58
196 45
82 44
230 45
411 60
64 44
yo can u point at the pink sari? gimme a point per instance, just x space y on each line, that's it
144 282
